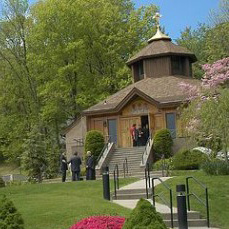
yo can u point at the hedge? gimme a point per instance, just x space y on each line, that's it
188 160
144 216
94 142
162 143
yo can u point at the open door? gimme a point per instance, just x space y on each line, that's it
125 125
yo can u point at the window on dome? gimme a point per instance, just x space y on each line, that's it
177 65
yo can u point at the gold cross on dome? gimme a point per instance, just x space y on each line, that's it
157 17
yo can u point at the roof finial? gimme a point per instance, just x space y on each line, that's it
157 17
159 35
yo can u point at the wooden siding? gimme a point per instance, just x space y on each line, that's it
157 67
131 114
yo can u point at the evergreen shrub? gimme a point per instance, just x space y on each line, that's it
2 183
163 164
188 160
162 143
10 218
216 167
144 216
94 142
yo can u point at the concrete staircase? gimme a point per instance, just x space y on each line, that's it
134 157
129 196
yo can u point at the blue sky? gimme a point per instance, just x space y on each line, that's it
178 14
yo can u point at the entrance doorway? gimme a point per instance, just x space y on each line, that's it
144 121
145 128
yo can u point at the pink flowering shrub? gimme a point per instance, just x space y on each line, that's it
216 74
192 90
100 222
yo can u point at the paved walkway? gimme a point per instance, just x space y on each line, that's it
159 207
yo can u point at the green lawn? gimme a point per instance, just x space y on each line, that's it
58 206
218 195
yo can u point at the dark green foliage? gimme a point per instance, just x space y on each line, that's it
188 160
164 164
94 142
163 143
9 216
144 216
34 156
216 167
53 163
2 183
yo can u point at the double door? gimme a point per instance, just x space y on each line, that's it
125 125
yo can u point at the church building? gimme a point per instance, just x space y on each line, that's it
152 99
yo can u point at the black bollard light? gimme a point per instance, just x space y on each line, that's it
181 207
106 184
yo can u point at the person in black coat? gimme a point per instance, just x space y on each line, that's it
63 166
140 136
75 161
90 166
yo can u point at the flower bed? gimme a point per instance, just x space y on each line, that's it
100 222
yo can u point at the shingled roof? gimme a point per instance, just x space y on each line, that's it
161 47
162 91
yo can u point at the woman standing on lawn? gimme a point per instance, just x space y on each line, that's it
90 166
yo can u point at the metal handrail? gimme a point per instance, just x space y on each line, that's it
116 180
147 179
205 203
104 148
145 150
170 204
125 167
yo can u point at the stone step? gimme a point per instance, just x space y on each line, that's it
120 157
128 151
121 160
130 162
128 196
127 154
191 215
130 191
132 148
191 223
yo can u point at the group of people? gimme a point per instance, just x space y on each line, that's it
139 135
75 165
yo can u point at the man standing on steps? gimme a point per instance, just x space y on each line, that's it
75 166
133 133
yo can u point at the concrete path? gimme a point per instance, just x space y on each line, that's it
159 207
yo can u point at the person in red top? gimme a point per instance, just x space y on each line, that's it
133 133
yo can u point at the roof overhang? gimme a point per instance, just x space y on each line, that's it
132 95
191 56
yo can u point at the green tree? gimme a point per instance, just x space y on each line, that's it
34 157
162 143
94 142
9 216
59 57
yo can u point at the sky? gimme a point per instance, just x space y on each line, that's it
178 14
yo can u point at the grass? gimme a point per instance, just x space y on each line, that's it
58 206
218 188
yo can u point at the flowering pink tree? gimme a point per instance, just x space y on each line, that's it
207 113
216 74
